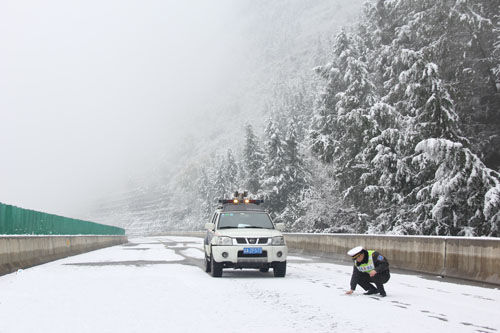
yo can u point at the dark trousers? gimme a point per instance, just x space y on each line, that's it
379 279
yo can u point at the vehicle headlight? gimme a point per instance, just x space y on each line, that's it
278 240
222 240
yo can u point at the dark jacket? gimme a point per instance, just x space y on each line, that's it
381 267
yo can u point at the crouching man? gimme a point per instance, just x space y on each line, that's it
369 266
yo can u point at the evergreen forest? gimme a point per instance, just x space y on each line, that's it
393 127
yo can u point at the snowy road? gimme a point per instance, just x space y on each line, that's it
157 284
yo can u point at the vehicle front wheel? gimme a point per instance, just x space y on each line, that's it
207 264
279 269
215 267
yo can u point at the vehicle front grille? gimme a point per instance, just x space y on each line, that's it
252 240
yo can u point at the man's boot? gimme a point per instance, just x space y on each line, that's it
381 290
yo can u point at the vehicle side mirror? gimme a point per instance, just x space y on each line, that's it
280 226
209 226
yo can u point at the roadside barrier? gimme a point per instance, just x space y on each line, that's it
20 221
29 238
476 259
26 251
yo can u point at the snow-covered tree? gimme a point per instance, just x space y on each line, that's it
324 122
462 198
273 183
344 114
403 128
205 191
323 209
296 176
382 157
232 182
369 132
252 162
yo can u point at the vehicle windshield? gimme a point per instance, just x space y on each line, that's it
245 220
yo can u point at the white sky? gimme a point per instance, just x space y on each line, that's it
92 92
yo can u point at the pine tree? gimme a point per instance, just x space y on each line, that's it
295 176
273 185
345 109
296 172
231 180
323 208
458 36
382 154
427 111
356 128
404 43
464 194
221 188
324 122
252 161
205 192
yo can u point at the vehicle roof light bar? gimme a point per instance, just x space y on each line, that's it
237 201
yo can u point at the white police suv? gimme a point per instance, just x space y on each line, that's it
242 235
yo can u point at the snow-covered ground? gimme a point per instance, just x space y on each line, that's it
158 285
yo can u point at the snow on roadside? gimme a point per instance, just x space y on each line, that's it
160 296
193 253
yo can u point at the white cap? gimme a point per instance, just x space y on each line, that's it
352 252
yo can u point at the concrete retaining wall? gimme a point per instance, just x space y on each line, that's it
476 259
25 251
422 254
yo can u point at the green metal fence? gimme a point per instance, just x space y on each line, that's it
19 221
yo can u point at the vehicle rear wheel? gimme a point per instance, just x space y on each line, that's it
215 267
264 269
279 269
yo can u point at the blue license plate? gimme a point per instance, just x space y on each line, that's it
252 250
